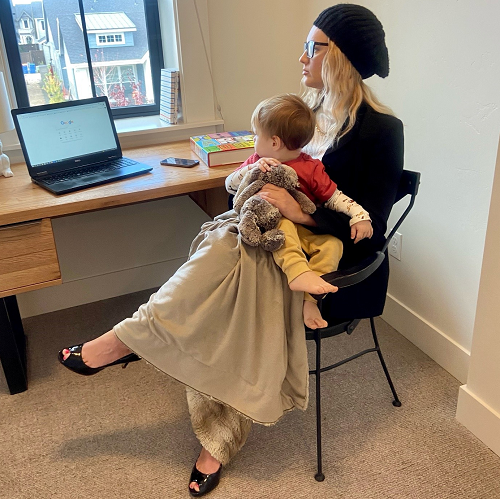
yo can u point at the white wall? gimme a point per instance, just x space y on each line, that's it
255 52
479 400
444 86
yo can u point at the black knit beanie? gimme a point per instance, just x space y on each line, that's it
359 35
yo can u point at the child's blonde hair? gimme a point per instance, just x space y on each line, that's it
342 93
286 116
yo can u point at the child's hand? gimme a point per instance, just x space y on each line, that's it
361 230
265 164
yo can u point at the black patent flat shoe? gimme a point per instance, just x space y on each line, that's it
75 363
206 482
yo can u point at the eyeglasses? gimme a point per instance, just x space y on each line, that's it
309 47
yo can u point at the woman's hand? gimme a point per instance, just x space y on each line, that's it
361 230
289 208
265 164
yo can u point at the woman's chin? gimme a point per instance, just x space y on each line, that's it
310 82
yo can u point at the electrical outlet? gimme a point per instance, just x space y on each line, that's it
395 246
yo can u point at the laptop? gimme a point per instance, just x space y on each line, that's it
73 145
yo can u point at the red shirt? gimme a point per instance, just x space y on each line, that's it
314 181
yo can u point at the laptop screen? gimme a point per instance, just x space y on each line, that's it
55 135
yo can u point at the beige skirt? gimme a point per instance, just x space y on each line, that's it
228 326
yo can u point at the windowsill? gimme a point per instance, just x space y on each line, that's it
153 124
132 131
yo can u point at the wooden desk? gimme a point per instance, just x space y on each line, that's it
28 255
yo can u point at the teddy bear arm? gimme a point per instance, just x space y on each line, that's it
305 203
247 193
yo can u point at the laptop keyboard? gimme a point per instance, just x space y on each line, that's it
90 170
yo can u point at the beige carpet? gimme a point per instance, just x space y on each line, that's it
126 433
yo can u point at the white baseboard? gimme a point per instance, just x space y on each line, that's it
479 418
433 342
95 288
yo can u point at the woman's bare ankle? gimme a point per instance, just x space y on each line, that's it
206 464
102 350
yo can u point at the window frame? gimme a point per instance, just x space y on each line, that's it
151 14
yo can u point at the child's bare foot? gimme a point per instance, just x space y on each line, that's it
101 351
312 316
311 283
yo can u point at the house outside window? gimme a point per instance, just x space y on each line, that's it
119 61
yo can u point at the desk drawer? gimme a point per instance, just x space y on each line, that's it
28 257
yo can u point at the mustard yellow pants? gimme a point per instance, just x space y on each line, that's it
324 252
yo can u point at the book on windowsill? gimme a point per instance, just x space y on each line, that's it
169 95
225 148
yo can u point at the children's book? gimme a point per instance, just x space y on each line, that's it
223 148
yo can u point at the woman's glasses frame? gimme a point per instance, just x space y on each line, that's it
310 46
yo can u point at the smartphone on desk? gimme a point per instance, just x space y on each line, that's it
184 163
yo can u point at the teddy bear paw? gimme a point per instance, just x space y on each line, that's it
272 240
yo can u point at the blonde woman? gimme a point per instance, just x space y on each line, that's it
357 138
237 342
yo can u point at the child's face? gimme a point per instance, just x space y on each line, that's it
265 146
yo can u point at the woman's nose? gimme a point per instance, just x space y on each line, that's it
303 58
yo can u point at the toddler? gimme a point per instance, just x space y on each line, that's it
283 125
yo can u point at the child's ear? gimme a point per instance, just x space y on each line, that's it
277 142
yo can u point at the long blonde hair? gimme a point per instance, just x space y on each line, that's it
342 93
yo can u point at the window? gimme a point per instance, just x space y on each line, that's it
115 39
26 24
115 51
42 25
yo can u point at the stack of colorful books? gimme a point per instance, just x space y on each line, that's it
169 95
223 148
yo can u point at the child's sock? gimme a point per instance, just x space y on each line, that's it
312 315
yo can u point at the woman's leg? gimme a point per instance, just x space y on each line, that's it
221 431
102 350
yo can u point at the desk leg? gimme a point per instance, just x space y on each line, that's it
12 345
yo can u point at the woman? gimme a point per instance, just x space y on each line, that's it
359 140
236 341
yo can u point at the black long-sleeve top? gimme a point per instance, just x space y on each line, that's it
366 164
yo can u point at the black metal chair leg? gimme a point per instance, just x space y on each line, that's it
12 345
396 402
319 475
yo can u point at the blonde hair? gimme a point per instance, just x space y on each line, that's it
342 93
286 116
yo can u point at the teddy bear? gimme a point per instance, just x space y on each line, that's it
259 218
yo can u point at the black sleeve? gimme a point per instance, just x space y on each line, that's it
383 157
332 222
